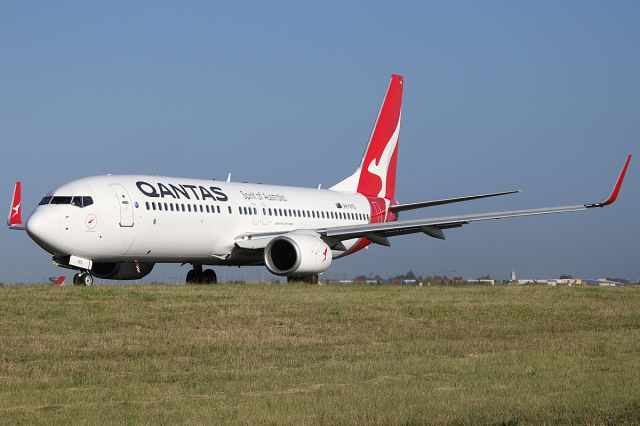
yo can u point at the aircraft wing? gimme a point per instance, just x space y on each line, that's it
379 232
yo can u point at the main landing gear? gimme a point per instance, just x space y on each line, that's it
309 279
83 278
198 276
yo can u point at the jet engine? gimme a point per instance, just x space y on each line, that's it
121 271
297 255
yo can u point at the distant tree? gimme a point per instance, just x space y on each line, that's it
565 277
619 280
410 276
485 277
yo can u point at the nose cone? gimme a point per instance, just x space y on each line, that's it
44 228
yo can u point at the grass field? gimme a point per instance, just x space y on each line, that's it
298 354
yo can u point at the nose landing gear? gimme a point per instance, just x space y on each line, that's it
198 276
83 278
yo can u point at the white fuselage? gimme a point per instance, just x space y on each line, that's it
165 219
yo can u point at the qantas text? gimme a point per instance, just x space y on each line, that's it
178 191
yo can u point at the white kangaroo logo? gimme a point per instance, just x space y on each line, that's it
16 209
380 167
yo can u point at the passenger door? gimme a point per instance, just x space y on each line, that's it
124 201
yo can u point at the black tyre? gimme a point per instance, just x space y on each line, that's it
310 279
209 277
193 277
86 279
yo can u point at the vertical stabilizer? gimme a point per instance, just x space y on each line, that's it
15 214
376 175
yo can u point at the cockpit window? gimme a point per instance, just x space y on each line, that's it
77 200
61 200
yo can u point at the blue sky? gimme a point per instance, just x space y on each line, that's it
538 96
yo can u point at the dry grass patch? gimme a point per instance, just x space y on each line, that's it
298 354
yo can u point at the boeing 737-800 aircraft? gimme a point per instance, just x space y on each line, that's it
119 227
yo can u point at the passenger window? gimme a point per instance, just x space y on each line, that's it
146 204
153 206
230 212
218 209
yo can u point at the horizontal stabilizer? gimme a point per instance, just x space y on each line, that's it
422 204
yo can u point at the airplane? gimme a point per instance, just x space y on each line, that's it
57 281
119 226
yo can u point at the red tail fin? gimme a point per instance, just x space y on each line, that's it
15 214
376 175
58 281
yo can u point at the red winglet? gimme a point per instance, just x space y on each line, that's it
60 281
616 189
15 214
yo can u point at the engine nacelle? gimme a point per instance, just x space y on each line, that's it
121 271
297 255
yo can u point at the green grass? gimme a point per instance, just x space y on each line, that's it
299 354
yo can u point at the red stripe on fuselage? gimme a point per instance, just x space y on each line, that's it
379 214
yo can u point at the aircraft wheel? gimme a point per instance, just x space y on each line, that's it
86 279
310 279
76 279
209 277
193 277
